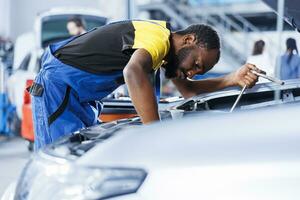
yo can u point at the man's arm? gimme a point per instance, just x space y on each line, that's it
136 75
241 77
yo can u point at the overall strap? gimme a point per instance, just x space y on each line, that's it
61 107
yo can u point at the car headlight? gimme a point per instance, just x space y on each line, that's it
43 179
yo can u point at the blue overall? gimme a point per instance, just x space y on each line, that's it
79 90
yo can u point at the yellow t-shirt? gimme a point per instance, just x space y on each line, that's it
153 36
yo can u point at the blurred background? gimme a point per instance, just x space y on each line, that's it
240 22
250 32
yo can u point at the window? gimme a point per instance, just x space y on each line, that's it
54 28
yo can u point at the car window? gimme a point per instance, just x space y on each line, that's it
25 62
54 28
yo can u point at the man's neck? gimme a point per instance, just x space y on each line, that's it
174 46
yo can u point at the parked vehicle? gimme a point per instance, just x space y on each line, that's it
49 27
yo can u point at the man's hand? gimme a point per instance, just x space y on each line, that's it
244 76
241 77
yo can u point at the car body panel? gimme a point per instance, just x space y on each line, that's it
233 155
248 155
191 142
24 44
268 181
9 192
17 81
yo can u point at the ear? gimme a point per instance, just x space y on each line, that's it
189 39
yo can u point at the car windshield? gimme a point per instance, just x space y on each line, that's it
54 28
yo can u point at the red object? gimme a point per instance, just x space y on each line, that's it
27 125
26 97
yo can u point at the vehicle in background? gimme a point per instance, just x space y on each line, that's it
16 83
49 27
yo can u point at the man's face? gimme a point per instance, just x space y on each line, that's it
73 29
192 60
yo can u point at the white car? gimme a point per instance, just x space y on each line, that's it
49 27
208 154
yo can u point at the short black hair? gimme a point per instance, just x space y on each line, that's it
77 20
205 35
291 45
258 47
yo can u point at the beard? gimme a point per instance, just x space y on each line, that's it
176 61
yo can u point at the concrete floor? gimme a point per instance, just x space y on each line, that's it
13 156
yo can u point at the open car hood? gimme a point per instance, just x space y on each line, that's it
260 96
291 11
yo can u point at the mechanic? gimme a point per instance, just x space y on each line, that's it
78 72
76 26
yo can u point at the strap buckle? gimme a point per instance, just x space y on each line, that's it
35 89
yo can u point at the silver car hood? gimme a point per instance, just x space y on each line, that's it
258 136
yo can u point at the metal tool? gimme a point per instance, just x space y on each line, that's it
270 78
238 98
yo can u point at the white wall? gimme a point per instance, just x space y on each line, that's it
114 9
4 18
117 9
